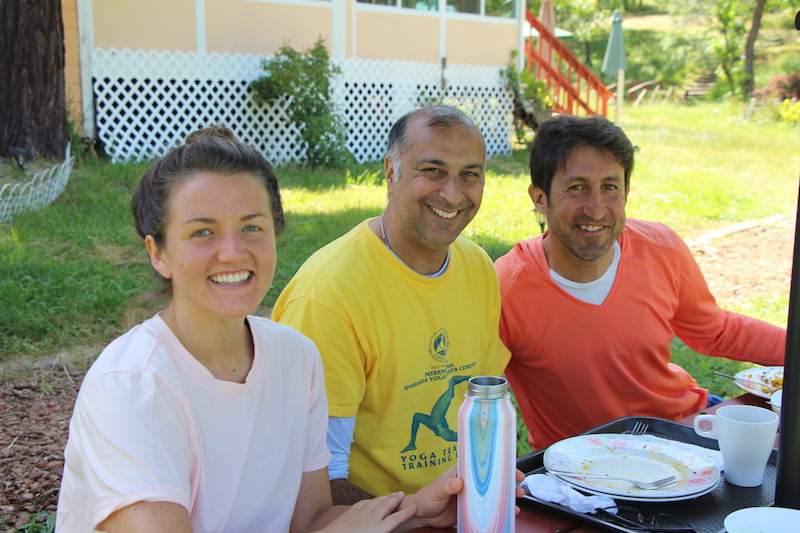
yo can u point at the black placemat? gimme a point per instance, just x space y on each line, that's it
705 514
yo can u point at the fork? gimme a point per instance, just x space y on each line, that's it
646 485
639 428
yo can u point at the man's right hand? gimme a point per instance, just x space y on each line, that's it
435 502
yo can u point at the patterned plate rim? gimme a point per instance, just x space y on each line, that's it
686 491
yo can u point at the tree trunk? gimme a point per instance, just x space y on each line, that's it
728 71
587 51
749 48
32 102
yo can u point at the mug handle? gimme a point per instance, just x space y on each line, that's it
710 433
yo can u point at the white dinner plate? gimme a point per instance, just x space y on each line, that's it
643 457
763 519
770 376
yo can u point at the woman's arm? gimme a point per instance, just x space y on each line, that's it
315 511
314 504
149 517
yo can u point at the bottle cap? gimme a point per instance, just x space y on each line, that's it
487 387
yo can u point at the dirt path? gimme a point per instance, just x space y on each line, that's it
35 404
754 263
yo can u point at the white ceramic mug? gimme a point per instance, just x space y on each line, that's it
745 434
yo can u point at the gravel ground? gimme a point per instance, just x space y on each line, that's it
36 401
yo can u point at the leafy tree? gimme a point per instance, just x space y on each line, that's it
727 48
734 54
588 20
749 47
725 36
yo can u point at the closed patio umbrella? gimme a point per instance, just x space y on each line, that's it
614 61
547 15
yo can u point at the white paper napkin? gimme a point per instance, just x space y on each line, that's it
552 489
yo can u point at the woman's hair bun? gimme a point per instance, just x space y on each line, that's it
215 131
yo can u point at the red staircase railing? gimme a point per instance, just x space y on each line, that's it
573 87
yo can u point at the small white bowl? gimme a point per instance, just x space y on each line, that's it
775 400
763 520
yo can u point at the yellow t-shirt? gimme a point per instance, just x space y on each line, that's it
397 348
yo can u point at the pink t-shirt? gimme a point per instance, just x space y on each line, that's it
152 424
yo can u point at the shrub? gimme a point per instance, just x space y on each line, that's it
305 79
782 87
789 111
532 100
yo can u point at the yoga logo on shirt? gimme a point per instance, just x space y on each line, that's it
439 345
436 421
436 453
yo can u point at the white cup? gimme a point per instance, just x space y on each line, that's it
745 434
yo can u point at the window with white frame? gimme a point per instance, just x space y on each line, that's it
419 5
499 8
464 6
489 8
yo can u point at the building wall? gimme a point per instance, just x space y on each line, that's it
479 42
72 64
394 35
145 24
252 27
263 26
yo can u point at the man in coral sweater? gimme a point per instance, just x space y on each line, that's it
590 307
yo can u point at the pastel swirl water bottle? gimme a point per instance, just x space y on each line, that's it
487 444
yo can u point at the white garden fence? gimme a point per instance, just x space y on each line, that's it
148 101
41 190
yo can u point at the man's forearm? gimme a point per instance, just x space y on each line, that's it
345 493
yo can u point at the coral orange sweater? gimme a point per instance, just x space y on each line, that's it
575 365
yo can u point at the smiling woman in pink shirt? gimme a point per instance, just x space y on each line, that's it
204 418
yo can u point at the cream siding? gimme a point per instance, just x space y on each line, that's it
481 42
394 35
263 26
247 27
145 24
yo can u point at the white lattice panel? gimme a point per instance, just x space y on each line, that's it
148 101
